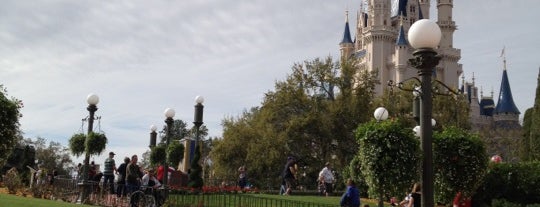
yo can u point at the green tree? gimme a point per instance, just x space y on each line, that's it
311 115
9 122
389 158
534 136
53 156
460 163
524 150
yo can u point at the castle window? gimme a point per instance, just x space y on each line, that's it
385 22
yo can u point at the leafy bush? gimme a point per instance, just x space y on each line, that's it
516 183
460 163
390 157
12 181
157 155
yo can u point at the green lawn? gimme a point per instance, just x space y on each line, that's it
7 200
332 200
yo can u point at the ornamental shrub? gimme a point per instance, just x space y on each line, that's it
389 157
513 182
460 163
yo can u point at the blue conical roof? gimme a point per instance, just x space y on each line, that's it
401 41
420 15
346 34
506 101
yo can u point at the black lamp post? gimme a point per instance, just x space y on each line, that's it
198 118
197 121
169 114
92 100
424 35
153 136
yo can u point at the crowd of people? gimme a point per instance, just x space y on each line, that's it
129 176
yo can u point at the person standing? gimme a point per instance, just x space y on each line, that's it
328 179
242 177
351 197
121 184
289 175
133 175
108 172
416 196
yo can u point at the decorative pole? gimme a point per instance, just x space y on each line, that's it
92 100
169 114
424 36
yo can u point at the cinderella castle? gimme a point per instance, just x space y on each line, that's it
379 43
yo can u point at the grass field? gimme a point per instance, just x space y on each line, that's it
7 200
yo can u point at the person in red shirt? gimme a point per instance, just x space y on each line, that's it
458 202
160 170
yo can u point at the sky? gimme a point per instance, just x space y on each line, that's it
141 57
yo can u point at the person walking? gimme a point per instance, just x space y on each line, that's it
108 172
121 183
351 197
289 175
328 178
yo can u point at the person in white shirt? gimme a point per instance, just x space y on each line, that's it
150 180
151 183
328 178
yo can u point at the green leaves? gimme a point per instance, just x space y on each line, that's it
389 155
460 163
76 144
95 143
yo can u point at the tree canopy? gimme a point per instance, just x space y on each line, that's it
311 115
9 123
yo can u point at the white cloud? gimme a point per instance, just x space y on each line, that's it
141 57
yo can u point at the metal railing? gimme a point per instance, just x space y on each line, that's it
68 190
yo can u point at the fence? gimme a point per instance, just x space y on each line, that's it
68 190
235 200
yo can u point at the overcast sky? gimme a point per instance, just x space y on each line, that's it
141 57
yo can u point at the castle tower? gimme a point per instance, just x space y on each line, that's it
448 69
401 55
346 46
506 114
381 44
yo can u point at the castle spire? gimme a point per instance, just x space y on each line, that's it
420 15
401 41
506 101
347 32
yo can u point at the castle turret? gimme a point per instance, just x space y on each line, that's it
401 55
448 69
424 8
346 45
506 114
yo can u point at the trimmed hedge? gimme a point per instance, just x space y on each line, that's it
517 183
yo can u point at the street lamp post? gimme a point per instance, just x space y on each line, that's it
425 35
92 100
198 121
198 118
153 136
169 114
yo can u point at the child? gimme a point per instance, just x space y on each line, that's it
322 186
